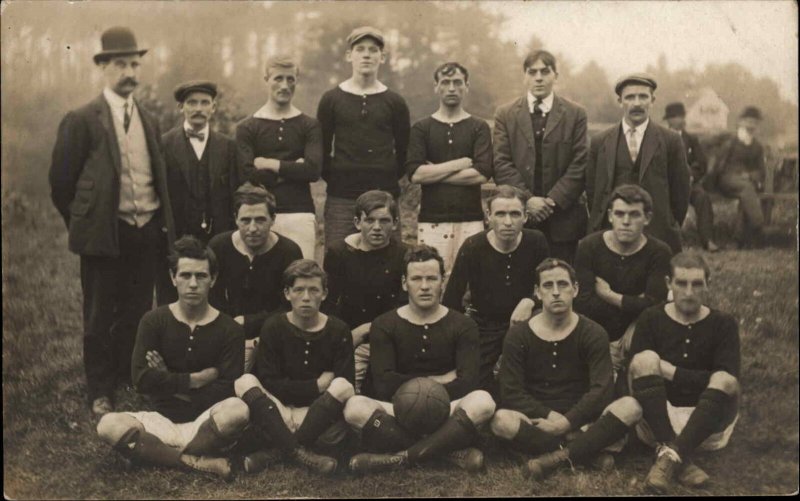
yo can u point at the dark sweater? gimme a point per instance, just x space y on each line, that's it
361 284
572 377
401 351
497 281
370 133
218 344
696 350
437 142
642 272
254 289
285 140
289 360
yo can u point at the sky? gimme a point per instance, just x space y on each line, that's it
626 36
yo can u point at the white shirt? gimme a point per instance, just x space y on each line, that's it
639 133
197 145
546 105
117 104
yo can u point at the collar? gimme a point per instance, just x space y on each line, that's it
744 136
204 130
639 128
547 103
115 100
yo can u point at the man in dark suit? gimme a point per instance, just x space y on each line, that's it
540 145
675 115
109 183
638 151
201 173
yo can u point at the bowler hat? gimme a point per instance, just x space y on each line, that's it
117 41
364 32
674 110
751 112
186 88
635 79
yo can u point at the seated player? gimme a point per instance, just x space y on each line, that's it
498 267
684 373
186 357
421 339
556 382
251 263
622 270
303 373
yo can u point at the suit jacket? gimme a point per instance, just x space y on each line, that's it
85 178
662 172
564 153
222 173
694 156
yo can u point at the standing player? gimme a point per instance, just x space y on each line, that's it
684 373
281 149
369 125
365 272
421 339
304 372
450 155
186 358
556 380
498 267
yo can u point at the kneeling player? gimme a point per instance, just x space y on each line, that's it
303 373
421 339
556 381
684 373
186 357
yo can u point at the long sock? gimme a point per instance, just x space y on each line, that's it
266 416
704 421
532 440
604 432
456 433
324 411
140 446
383 433
208 439
651 394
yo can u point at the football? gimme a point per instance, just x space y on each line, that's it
421 405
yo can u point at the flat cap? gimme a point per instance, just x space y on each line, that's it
635 79
674 110
364 32
751 112
184 89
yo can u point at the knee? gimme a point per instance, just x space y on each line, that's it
231 415
114 425
341 389
358 410
724 382
244 383
505 424
645 363
627 410
479 406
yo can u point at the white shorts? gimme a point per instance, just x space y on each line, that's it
361 356
447 238
177 435
250 353
678 417
300 227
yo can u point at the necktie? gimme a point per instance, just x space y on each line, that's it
537 110
127 121
190 133
633 145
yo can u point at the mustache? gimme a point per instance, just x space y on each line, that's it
129 80
199 114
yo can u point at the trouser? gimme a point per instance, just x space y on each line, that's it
705 213
737 184
339 215
117 291
300 227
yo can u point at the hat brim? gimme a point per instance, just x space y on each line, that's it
184 93
107 54
367 35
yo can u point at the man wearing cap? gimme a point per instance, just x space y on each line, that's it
641 152
675 115
540 146
201 173
369 125
109 183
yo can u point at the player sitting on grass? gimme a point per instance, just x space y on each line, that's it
186 357
556 382
421 339
684 373
303 374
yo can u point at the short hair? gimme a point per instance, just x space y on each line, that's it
449 69
189 246
552 263
375 199
507 191
303 268
281 61
632 194
687 259
540 55
250 194
419 254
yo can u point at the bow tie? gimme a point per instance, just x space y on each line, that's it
190 133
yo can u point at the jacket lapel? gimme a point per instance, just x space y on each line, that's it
183 153
524 120
214 160
611 154
107 121
650 144
556 114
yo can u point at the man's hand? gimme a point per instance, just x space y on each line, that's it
239 320
555 424
604 292
667 370
360 332
262 163
523 311
202 378
540 208
324 380
444 378
155 360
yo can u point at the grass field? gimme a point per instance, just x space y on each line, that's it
50 449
